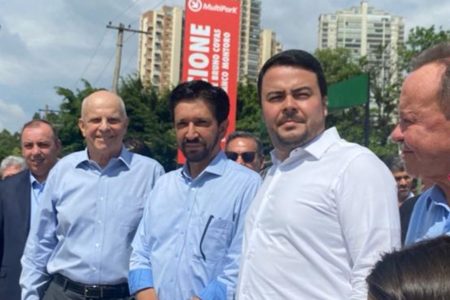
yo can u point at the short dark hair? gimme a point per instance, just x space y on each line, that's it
421 271
248 135
439 54
214 96
36 123
396 164
295 58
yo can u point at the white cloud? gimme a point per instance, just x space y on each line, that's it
12 116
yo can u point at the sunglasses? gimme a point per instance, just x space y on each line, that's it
247 157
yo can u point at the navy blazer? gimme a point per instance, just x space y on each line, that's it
15 206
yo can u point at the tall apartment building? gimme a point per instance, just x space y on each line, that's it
250 40
159 57
364 30
269 46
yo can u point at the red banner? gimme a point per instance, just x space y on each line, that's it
211 46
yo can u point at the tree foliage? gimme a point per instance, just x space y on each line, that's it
150 120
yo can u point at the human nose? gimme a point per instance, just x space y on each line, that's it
191 131
104 125
397 134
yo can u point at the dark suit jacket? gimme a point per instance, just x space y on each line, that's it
15 206
406 210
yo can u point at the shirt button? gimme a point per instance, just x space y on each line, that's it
97 245
94 269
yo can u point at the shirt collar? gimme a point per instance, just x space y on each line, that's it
435 196
316 147
216 167
34 182
125 157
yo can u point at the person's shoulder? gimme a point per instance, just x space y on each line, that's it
22 176
240 172
145 161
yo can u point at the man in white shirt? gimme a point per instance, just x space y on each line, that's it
327 208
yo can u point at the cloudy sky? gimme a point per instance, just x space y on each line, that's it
45 44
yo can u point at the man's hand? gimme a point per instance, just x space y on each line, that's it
146 294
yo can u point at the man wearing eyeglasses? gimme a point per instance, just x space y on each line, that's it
246 149
188 244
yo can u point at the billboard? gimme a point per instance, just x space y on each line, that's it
211 46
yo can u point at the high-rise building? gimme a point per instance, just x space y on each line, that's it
269 46
365 31
159 57
160 51
250 40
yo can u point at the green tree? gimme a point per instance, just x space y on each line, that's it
419 39
10 144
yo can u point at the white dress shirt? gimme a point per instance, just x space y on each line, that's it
318 223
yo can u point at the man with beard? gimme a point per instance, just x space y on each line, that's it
189 241
327 208
424 135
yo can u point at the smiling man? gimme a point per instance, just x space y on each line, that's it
79 245
20 195
326 209
189 241
424 136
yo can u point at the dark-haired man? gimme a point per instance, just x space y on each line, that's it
326 209
189 241
20 195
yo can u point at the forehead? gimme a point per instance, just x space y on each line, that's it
279 77
242 143
193 108
102 105
400 174
421 89
40 132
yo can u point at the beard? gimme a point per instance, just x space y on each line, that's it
197 150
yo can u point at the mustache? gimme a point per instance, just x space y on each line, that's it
191 141
290 118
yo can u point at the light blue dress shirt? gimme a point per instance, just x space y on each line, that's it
190 238
36 190
86 220
430 217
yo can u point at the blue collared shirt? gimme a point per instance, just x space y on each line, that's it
86 220
430 217
190 238
36 190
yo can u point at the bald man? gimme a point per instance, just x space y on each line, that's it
79 247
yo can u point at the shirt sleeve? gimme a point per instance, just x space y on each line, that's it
140 275
366 191
40 245
224 286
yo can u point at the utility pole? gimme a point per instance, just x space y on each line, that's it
120 29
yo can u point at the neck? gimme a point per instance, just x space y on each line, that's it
195 168
40 179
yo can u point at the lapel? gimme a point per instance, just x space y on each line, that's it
24 198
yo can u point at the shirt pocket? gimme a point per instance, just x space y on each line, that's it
129 212
215 239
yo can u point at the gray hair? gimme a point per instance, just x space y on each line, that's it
13 160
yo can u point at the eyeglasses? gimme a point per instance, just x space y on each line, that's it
247 157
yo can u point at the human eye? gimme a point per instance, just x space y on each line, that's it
95 120
301 94
202 123
113 121
274 97
181 124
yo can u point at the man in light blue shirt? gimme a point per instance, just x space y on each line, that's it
423 132
79 244
189 241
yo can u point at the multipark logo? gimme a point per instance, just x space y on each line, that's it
198 5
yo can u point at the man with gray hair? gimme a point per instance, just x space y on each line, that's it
423 135
80 244
12 165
